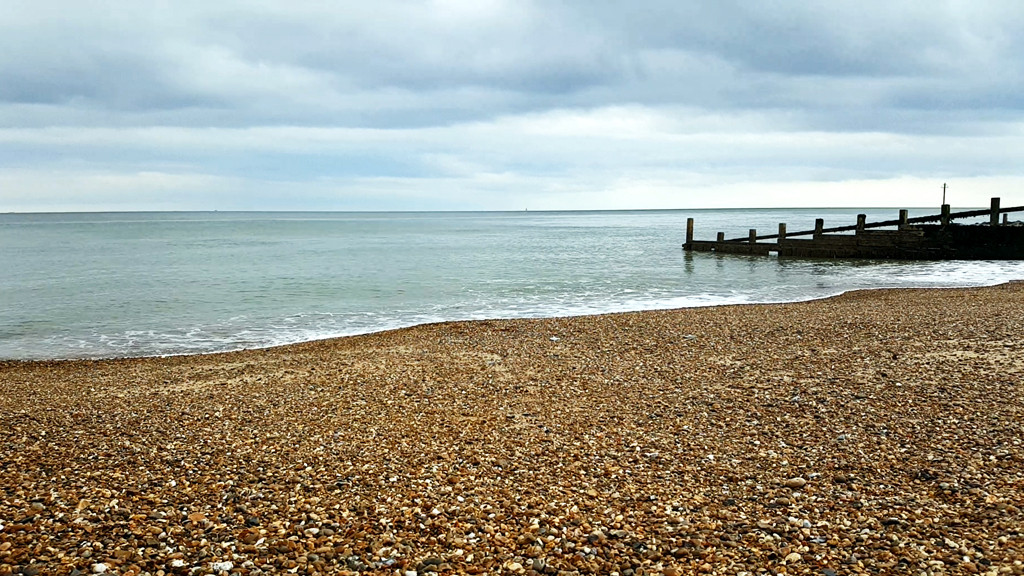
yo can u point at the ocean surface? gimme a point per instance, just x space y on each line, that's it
103 285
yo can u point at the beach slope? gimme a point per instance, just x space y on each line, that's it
876 432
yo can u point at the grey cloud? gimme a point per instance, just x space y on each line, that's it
484 92
229 64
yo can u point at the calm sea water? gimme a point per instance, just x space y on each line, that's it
138 284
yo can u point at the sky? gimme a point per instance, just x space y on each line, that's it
495 105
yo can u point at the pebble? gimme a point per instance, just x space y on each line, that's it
395 453
796 483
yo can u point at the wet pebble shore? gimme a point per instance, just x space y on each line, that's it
878 432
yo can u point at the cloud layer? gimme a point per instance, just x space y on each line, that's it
460 104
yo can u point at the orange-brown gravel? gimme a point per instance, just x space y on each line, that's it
878 432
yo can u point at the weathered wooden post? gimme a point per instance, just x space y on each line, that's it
944 217
819 225
782 232
689 230
753 235
904 219
1006 219
862 219
721 237
994 218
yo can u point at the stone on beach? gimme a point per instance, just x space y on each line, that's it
487 447
796 483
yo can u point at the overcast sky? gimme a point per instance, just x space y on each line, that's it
486 104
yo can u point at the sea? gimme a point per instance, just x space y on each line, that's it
102 285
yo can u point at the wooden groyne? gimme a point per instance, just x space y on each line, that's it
935 237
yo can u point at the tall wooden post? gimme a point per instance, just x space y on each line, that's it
994 217
721 237
904 218
782 232
819 225
862 219
689 230
944 217
753 235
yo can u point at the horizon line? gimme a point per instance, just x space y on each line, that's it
469 211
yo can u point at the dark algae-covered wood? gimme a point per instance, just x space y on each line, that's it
919 238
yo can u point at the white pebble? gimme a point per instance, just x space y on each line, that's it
796 483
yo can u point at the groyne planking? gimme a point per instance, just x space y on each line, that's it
913 238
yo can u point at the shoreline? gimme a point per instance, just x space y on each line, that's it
875 431
498 319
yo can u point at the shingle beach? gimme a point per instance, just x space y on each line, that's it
878 432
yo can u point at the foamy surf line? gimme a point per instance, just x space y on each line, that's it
194 343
